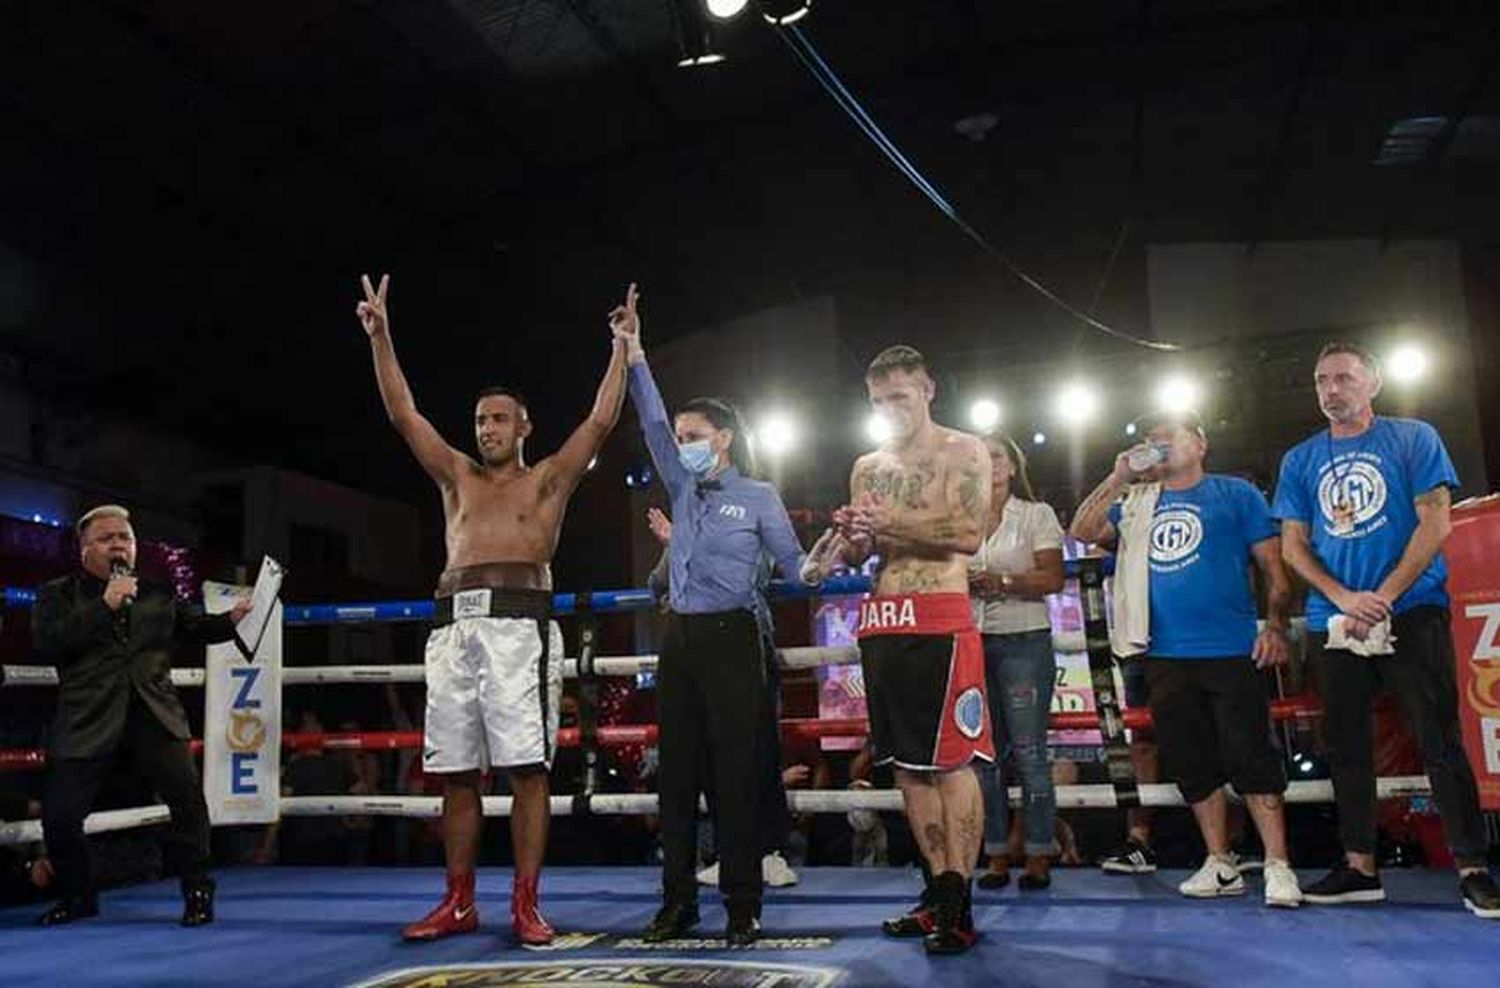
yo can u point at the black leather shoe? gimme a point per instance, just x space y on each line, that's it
70 908
743 928
198 902
673 920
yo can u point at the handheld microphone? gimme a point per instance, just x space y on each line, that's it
118 568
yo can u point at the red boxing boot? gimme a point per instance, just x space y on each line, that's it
457 913
525 918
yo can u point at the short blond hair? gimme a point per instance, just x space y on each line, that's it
102 511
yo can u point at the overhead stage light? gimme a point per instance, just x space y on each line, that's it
784 12
725 9
695 36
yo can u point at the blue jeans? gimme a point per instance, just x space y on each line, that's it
1019 674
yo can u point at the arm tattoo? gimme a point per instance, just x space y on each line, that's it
969 490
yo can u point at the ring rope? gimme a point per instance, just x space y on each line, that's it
1094 796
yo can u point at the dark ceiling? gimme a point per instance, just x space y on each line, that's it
191 189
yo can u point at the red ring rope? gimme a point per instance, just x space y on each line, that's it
32 759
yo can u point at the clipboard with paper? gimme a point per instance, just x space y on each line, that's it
252 627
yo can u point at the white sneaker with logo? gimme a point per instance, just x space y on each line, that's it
1282 887
1217 877
775 872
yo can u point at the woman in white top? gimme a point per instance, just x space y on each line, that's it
1019 563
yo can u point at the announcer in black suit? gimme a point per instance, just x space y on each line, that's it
111 639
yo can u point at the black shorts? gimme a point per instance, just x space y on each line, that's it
1137 690
925 690
1213 725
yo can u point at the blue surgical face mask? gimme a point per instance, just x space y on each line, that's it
698 458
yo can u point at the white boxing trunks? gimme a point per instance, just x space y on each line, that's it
494 681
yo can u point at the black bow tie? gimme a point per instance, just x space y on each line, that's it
710 485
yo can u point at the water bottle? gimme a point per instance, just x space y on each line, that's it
1144 458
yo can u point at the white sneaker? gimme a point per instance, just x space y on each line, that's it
709 876
1282 888
775 872
1217 877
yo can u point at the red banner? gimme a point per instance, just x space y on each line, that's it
1473 552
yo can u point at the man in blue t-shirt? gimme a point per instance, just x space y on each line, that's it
1364 513
1199 533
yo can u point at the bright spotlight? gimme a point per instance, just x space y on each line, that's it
1406 363
725 9
695 34
984 414
694 61
1039 439
1178 394
784 12
878 428
1129 428
1076 403
776 434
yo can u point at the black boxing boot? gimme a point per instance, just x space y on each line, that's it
69 908
953 914
915 922
197 901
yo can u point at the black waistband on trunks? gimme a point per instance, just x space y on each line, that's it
504 602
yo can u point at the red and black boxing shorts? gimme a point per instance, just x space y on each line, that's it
924 681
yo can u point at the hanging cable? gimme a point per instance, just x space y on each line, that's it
820 70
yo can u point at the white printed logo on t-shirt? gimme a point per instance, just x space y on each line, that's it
1175 534
1360 488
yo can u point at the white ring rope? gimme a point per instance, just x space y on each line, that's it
30 831
1099 796
803 657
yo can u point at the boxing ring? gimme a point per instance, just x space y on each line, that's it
281 925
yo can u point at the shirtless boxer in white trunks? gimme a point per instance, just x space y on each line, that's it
494 678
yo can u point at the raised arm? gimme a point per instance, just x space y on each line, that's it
437 458
655 424
570 462
1091 521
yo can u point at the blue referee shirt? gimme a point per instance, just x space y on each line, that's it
720 527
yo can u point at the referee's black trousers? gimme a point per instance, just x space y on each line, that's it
711 690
